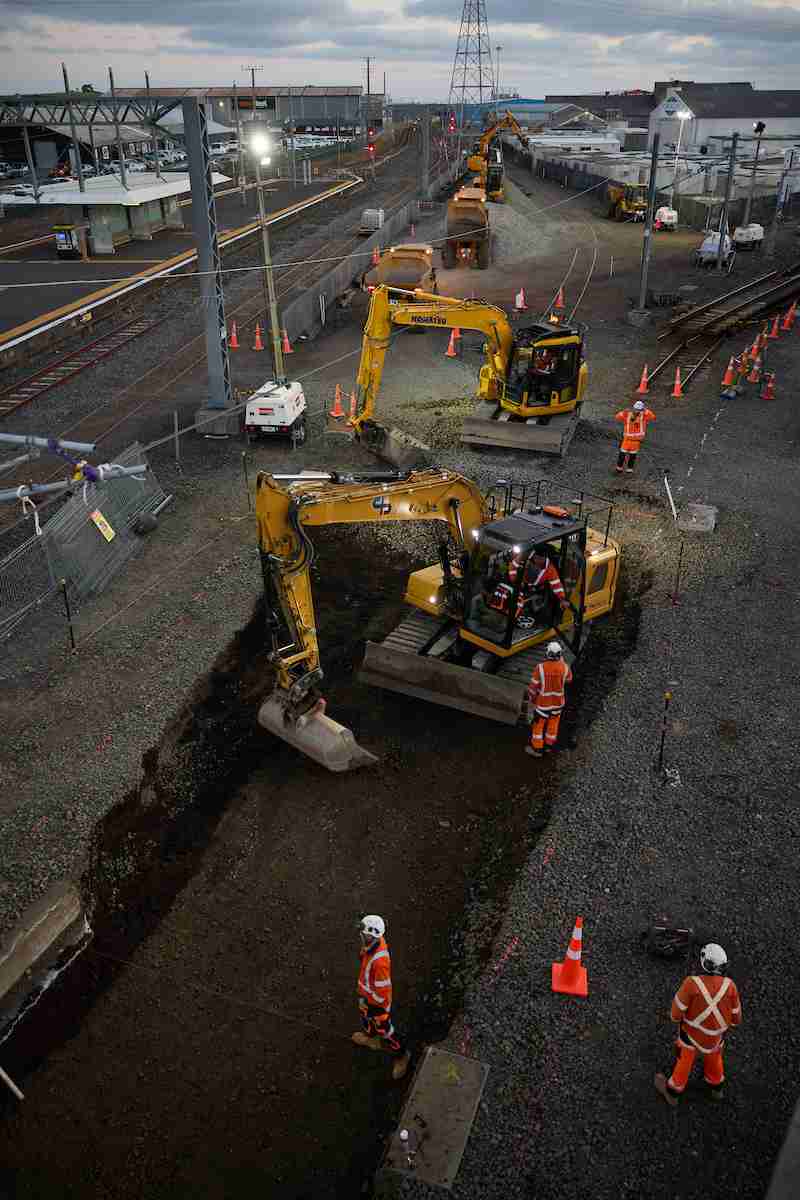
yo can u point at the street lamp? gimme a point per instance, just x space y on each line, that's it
758 130
683 117
259 145
497 81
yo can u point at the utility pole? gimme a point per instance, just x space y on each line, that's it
425 155
240 142
497 76
780 200
270 299
648 225
367 114
723 218
758 130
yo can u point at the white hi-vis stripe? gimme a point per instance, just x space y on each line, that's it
711 1003
577 936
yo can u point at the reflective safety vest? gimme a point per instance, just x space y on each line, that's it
550 576
706 1006
375 976
546 688
634 427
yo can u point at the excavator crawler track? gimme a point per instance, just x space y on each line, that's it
398 665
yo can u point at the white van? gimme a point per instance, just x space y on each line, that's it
278 411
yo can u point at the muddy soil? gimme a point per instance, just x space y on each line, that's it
213 1011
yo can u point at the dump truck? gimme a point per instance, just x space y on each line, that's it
408 265
530 388
468 235
627 201
479 621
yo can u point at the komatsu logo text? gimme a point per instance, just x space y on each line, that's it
429 320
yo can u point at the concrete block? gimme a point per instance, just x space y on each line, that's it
36 940
698 518
140 224
217 423
639 317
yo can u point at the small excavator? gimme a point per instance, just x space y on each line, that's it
479 622
530 388
487 159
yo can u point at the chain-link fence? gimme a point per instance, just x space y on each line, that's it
83 544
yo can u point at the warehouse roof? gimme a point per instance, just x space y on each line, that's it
738 100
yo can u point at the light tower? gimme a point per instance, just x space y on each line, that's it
472 81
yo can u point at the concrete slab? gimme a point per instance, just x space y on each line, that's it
438 1115
698 518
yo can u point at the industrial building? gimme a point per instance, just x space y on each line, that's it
712 111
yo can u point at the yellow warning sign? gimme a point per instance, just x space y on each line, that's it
103 525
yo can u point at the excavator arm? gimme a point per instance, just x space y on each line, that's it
295 710
427 310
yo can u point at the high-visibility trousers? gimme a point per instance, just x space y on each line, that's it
377 1022
712 1067
544 730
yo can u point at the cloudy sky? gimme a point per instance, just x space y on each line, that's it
580 45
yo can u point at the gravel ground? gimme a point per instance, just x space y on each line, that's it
569 1109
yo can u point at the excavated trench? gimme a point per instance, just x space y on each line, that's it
218 891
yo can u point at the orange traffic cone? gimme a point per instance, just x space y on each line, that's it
761 340
451 351
570 976
757 347
559 304
755 372
677 390
286 345
729 378
457 332
644 385
352 405
792 314
233 340
337 410
768 390
376 258
519 301
775 331
786 323
258 344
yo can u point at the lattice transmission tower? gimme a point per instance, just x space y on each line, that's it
472 81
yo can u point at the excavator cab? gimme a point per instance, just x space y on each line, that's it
503 606
547 373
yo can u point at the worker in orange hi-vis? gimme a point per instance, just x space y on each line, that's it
635 421
706 1006
375 996
547 697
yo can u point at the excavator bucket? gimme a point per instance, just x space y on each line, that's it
393 446
330 744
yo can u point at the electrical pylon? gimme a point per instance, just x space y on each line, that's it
472 81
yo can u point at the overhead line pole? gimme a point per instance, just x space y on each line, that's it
723 217
648 225
73 132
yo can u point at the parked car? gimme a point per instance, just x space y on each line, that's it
21 189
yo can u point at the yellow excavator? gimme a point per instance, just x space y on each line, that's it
530 387
487 159
480 620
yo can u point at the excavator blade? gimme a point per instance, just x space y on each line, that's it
490 425
317 736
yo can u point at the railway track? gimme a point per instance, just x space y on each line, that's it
101 422
702 330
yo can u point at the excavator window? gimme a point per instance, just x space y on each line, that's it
502 604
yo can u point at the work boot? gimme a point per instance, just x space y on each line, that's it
369 1043
535 753
629 470
401 1065
663 1089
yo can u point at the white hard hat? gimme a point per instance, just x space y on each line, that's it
713 959
639 406
554 650
373 926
